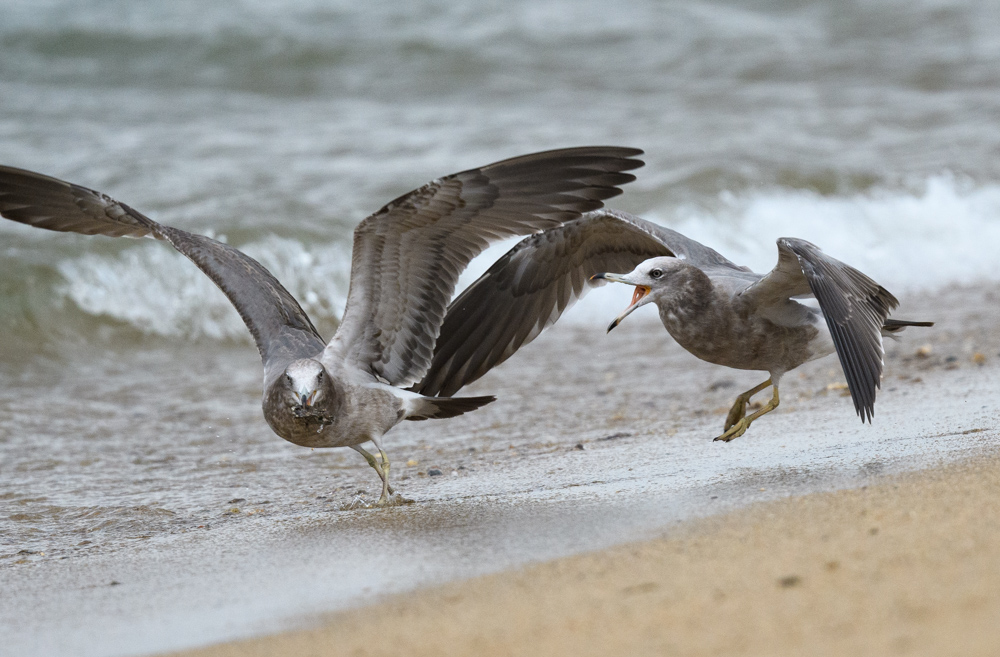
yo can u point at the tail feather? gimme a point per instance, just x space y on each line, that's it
897 325
436 408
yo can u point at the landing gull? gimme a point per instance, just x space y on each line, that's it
719 311
406 262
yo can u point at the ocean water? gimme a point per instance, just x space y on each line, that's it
129 390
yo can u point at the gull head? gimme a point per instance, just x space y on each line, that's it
651 279
307 385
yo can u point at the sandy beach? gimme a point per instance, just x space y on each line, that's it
900 564
587 510
147 508
908 567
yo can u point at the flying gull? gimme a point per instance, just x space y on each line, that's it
719 311
406 261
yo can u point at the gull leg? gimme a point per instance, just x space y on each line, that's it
385 469
740 427
372 461
739 409
389 496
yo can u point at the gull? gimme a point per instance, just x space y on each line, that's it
719 311
406 261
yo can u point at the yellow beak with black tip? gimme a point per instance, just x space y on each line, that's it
639 298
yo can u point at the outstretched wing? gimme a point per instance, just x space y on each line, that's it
280 328
534 283
408 256
855 308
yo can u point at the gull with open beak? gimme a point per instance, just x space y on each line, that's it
719 311
639 298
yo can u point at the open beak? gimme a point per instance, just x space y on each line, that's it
639 298
306 399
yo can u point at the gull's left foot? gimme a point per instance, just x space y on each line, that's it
736 413
743 423
360 502
739 411
734 431
395 499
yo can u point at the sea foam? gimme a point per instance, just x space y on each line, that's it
159 292
943 231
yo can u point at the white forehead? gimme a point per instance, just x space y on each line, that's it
662 262
304 369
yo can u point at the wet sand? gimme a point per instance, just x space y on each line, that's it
908 567
596 441
907 564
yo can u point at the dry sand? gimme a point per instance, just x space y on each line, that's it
908 567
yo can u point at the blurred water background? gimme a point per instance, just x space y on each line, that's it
870 128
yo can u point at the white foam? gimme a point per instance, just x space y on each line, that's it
944 231
159 292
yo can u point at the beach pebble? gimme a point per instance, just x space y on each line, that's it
434 472
979 358
925 350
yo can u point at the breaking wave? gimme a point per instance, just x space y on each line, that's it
157 291
942 232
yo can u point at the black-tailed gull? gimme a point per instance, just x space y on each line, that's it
719 311
406 261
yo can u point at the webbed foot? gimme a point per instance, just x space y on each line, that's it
393 499
736 413
734 430
737 422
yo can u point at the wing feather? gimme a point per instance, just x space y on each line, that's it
855 308
534 283
280 328
408 256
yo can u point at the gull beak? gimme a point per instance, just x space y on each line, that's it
640 298
306 399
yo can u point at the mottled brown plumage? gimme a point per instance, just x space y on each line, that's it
720 312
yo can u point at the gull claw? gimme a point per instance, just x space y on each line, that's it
395 499
736 413
734 430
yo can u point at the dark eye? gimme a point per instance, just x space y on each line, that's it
656 273
319 377
288 378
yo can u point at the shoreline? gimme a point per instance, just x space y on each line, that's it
867 567
282 546
908 566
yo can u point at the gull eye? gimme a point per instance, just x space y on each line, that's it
319 377
288 379
656 273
